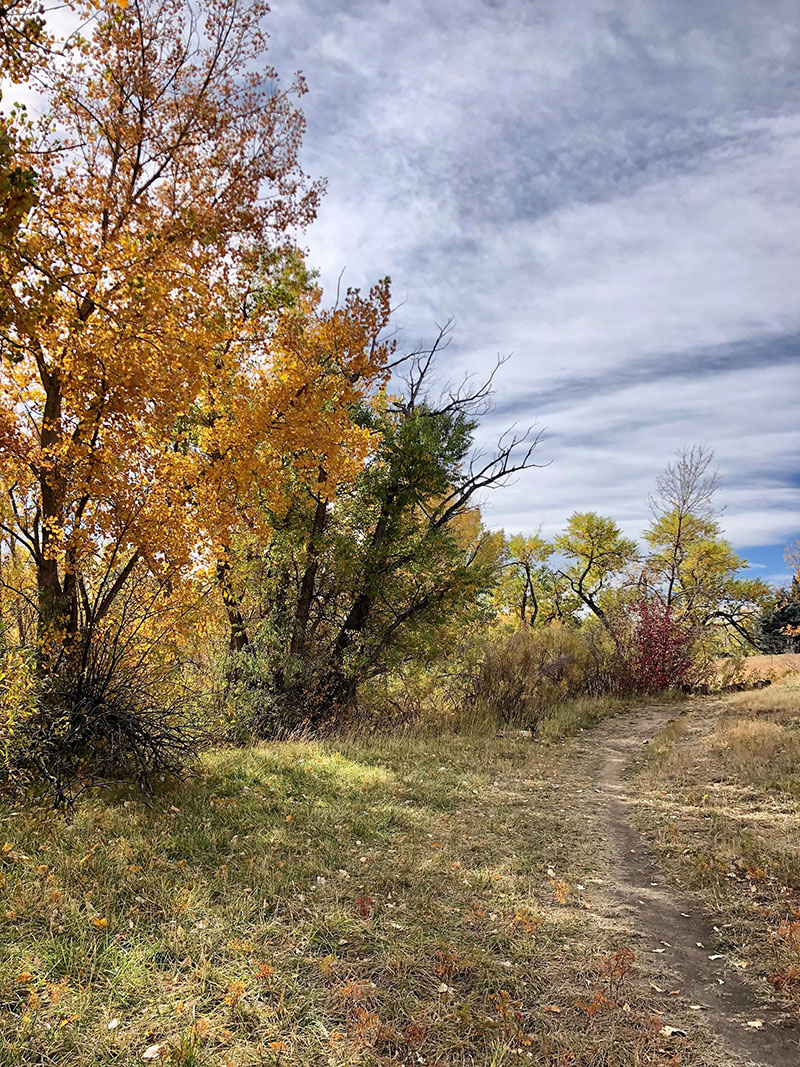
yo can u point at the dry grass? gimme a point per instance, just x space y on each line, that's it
721 796
779 703
751 668
393 900
563 720
754 751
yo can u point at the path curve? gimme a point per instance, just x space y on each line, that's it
675 922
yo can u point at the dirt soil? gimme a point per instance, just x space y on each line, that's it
672 929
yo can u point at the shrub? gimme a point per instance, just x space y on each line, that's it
731 670
417 696
19 694
655 651
113 711
262 694
522 675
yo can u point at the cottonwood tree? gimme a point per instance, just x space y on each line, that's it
597 556
683 514
24 42
420 548
690 565
530 590
166 158
294 442
358 581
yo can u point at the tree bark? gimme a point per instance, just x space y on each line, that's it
308 584
57 599
239 639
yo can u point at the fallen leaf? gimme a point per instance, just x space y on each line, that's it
672 1031
554 1008
101 924
113 1024
153 1052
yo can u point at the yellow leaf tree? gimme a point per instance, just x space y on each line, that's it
269 429
166 158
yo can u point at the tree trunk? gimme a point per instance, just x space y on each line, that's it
56 607
239 640
309 580
57 601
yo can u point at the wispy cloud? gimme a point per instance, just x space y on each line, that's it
607 190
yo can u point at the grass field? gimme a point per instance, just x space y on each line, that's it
721 797
423 901
773 667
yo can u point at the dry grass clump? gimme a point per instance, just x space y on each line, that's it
756 738
779 703
520 677
755 751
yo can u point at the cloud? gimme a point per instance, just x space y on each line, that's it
607 190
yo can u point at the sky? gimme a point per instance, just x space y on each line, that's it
605 192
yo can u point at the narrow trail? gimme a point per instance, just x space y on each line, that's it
678 927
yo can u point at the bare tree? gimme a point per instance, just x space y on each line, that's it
685 490
688 485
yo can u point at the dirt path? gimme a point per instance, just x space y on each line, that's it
678 930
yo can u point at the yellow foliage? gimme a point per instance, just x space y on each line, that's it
18 695
155 389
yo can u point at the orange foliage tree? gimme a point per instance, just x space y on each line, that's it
166 163
263 432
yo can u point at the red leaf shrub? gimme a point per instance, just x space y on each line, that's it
656 652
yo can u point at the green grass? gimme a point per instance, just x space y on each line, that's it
574 716
372 901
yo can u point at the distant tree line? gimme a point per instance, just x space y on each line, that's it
685 566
